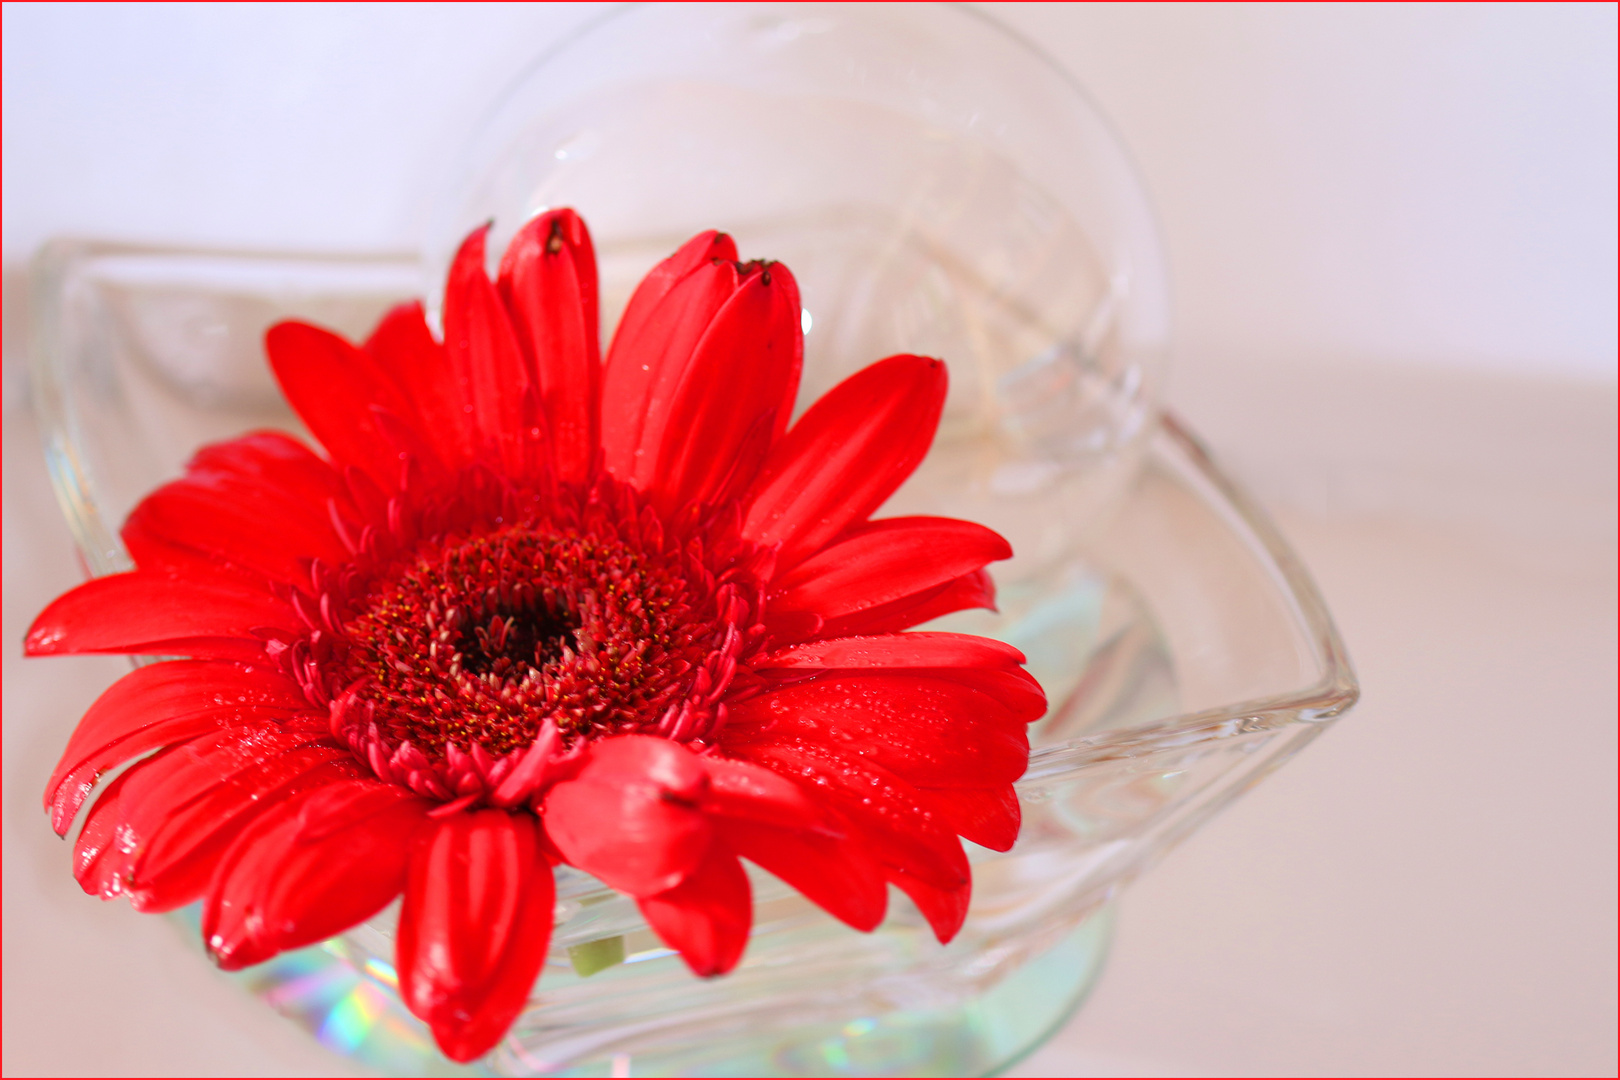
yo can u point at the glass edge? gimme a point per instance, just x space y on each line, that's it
443 186
985 15
63 248
1338 688
1334 692
72 478
71 481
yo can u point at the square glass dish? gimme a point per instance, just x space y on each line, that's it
1183 647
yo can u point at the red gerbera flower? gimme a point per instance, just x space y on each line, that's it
537 608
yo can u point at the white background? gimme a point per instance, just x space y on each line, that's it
1427 184
1392 232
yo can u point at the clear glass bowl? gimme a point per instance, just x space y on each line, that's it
1185 650
936 187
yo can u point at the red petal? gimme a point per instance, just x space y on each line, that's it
846 455
156 614
157 835
746 792
974 590
184 854
313 866
474 928
632 816
98 866
160 704
640 326
945 909
232 527
332 386
831 872
68 790
403 346
705 918
419 458
914 650
258 502
484 352
989 817
666 318
739 386
548 281
929 731
1013 690
882 562
649 759
269 462
885 811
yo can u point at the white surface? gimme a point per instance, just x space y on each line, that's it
1430 888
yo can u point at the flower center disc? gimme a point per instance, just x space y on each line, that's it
481 640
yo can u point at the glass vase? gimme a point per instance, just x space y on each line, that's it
937 187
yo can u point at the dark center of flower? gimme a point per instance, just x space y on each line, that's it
481 640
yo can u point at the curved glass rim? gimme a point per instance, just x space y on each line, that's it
442 186
1334 691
